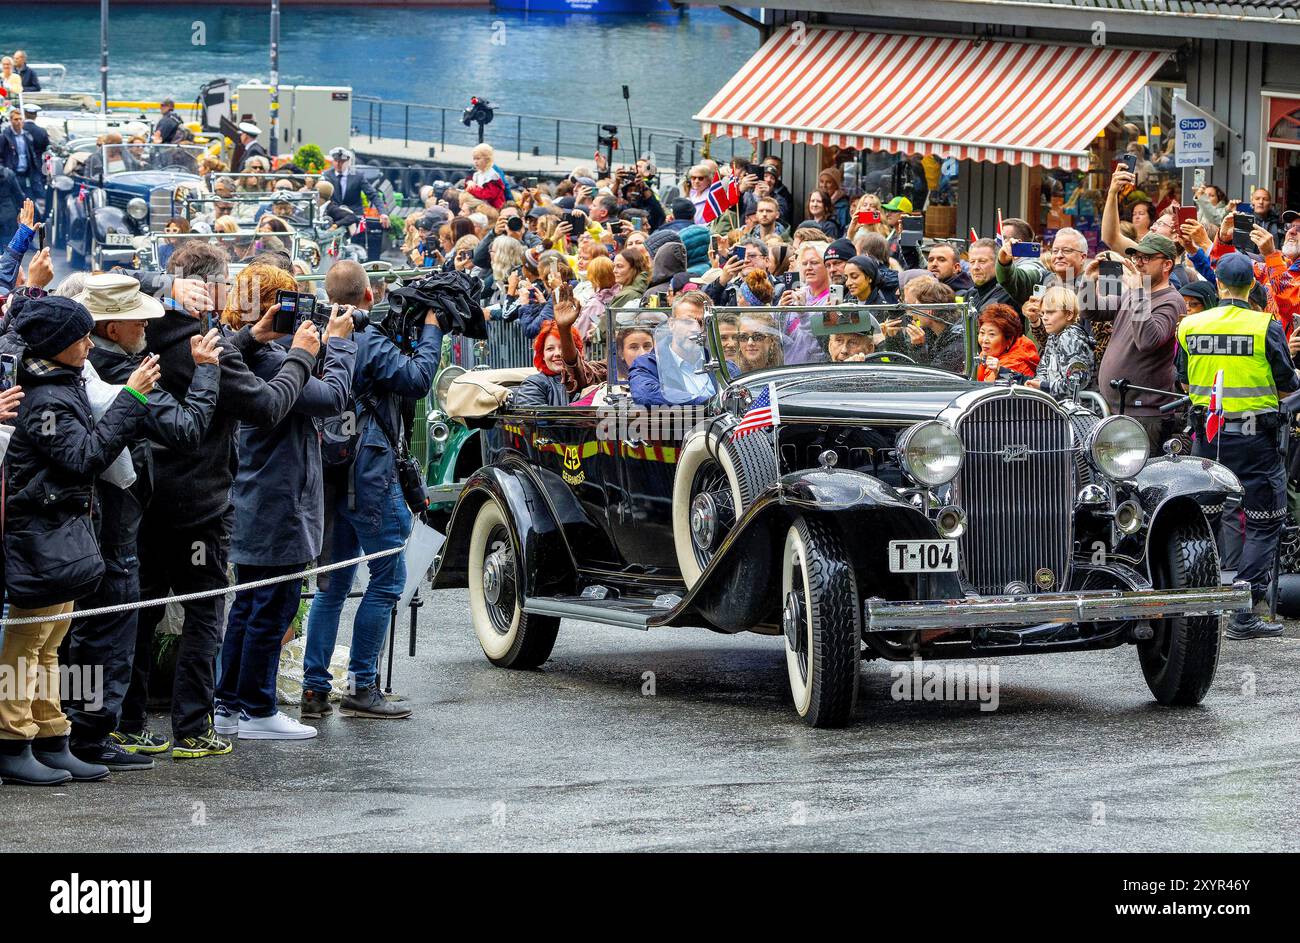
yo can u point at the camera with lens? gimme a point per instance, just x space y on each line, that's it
480 111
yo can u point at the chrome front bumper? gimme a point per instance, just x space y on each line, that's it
883 615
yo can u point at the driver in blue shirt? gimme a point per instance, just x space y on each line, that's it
683 357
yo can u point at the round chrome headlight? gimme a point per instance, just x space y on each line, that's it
930 453
1119 447
137 208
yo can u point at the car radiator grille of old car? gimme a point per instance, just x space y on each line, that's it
1017 488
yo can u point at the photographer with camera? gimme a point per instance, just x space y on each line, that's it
635 193
185 536
398 359
279 503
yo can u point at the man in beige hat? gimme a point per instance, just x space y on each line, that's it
120 311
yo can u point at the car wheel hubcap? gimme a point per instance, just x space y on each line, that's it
792 623
704 521
499 581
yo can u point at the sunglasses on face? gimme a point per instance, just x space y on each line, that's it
751 338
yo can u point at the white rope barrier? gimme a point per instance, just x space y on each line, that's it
234 588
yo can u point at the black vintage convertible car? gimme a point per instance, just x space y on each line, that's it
896 510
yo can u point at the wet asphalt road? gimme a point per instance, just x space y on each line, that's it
575 757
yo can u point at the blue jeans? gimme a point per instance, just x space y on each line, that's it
250 653
352 538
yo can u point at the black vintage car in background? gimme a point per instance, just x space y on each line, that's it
898 511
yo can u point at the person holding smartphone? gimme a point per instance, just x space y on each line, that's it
279 503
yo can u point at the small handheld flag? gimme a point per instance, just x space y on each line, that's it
1214 415
998 235
721 196
763 413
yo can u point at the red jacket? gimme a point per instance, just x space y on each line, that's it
493 193
1021 358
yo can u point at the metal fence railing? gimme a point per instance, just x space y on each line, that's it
520 134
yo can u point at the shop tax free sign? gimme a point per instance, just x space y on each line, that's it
1194 144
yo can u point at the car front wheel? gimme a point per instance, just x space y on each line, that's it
1180 659
822 624
510 637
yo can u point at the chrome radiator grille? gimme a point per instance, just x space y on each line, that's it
1017 488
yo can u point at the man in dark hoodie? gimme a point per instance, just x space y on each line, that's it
945 266
668 261
121 312
185 537
985 289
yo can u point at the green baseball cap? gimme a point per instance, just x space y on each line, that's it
899 204
1155 244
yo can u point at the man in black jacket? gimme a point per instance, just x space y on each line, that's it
121 311
18 152
57 451
185 535
169 123
985 289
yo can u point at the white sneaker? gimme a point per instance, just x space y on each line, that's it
225 723
279 726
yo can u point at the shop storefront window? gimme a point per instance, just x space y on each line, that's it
1061 198
928 182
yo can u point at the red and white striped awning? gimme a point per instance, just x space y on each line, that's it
994 100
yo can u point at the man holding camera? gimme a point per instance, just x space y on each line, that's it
185 535
370 511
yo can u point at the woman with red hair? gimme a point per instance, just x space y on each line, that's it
1005 352
562 373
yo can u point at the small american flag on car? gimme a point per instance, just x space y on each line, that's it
763 413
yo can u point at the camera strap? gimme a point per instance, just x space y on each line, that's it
396 442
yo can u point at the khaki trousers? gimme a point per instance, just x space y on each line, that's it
29 674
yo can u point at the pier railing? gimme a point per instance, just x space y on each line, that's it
523 135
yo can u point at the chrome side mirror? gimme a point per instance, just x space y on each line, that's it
1074 374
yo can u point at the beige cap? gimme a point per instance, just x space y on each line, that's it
114 297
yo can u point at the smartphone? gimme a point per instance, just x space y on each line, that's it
755 169
1242 225
8 370
295 307
1127 162
738 253
1186 214
530 183
1026 250
1038 290
868 217
636 223
719 246
913 229
576 223
1198 177
40 235
1109 268
837 294
1245 209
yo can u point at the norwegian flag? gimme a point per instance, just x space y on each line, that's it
763 413
974 236
1214 417
721 196
81 194
999 232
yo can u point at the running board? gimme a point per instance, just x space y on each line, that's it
632 613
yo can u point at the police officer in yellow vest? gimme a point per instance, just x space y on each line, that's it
1250 347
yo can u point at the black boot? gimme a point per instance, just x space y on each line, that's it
54 753
19 767
1245 626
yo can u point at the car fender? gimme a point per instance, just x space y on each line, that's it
105 216
867 514
546 564
1168 486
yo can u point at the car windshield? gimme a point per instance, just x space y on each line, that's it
295 209
258 183
124 158
749 339
633 331
240 246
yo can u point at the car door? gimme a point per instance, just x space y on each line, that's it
564 450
